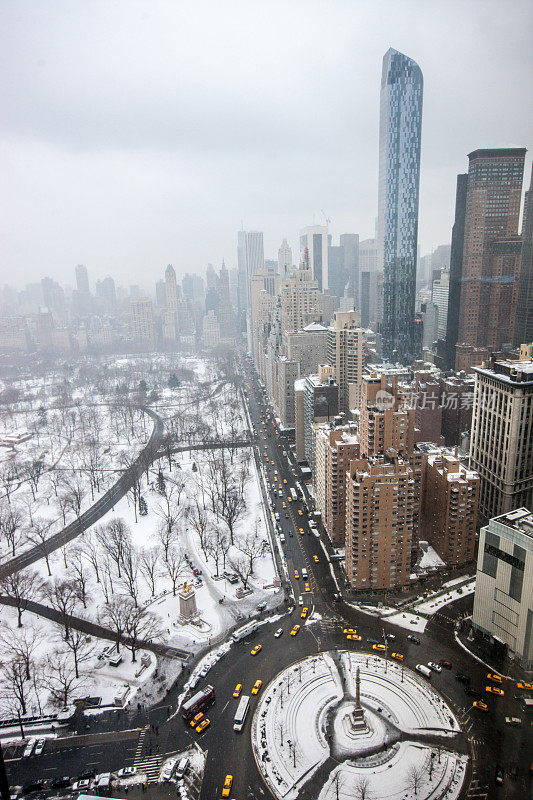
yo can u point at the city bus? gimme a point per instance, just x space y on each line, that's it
241 713
205 697
299 491
293 494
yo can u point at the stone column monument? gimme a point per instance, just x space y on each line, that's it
187 600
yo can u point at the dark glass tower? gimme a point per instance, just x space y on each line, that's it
399 177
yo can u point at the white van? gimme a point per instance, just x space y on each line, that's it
276 516
182 767
423 670
282 538
304 573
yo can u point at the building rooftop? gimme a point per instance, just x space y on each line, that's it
513 372
314 326
520 520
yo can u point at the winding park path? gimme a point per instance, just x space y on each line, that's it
147 455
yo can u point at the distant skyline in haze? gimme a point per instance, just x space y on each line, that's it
136 134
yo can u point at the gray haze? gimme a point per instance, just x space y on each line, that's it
140 133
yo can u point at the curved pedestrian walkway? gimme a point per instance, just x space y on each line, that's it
94 629
147 455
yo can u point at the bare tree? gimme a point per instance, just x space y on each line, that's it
168 536
63 597
22 587
175 566
414 778
8 478
75 495
114 539
130 571
252 547
197 518
115 615
92 552
149 563
231 508
33 472
140 625
38 536
21 644
241 566
18 687
81 649
64 504
79 567
10 521
60 677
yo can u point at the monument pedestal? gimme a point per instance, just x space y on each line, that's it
187 601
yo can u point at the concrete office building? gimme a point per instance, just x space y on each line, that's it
314 243
501 446
439 297
334 449
399 176
457 401
142 321
345 353
503 600
284 259
210 330
450 508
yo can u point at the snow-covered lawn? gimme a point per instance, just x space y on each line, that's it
303 717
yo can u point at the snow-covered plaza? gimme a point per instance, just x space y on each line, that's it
350 725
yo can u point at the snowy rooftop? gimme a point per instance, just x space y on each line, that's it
314 326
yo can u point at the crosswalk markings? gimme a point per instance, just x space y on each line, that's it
149 766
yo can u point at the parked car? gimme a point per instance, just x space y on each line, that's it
413 639
60 783
434 667
39 747
462 678
445 664
168 772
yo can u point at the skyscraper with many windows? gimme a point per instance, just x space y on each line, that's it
399 177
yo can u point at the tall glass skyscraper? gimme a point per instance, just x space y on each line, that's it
399 175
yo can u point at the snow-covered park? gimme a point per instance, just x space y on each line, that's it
401 740
194 517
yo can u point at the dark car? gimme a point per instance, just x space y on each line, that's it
462 678
373 641
473 693
413 639
86 775
498 775
32 786
60 783
445 664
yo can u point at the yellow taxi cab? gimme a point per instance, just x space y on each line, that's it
196 720
304 612
284 480
284 505
275 477
257 649
256 687
494 690
300 512
481 705
295 630
494 678
296 573
226 789
301 531
205 723
307 588
237 691
354 637
378 647
315 559
524 685
350 630
397 656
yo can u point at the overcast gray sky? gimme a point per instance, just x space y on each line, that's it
137 133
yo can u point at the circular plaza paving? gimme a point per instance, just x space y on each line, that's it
350 725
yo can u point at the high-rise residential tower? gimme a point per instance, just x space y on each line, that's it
491 248
82 279
171 289
399 177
